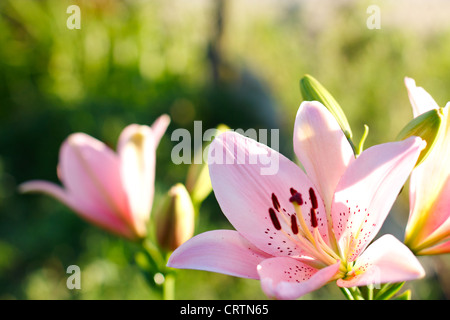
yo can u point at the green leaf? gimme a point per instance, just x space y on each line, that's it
404 296
388 291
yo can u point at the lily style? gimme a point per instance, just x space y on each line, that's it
113 190
428 228
296 232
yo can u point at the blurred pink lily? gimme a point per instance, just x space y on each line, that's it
297 232
112 190
428 227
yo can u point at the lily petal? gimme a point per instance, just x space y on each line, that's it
322 148
222 251
159 127
420 99
430 190
367 191
286 278
137 153
437 225
89 171
436 240
49 188
257 205
437 249
386 260
86 210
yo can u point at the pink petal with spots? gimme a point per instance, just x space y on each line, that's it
256 203
386 260
222 251
286 278
321 147
367 191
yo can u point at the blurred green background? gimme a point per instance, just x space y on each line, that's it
233 62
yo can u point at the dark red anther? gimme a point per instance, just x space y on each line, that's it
294 225
313 197
293 191
276 203
297 197
313 218
274 218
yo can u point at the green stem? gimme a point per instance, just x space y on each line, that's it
352 293
154 253
169 287
356 293
347 293
363 139
370 292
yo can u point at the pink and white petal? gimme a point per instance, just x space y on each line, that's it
437 224
285 278
159 127
440 248
441 233
90 173
137 154
322 148
88 211
252 184
430 189
221 251
386 260
367 191
421 100
46 187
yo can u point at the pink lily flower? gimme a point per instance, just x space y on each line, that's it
428 227
111 190
297 232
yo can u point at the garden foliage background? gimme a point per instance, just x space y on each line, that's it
228 61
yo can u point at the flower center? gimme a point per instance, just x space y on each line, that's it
305 233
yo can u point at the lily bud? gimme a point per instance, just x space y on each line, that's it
428 127
313 90
198 182
175 220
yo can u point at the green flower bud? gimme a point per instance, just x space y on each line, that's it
312 90
175 220
198 182
428 127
